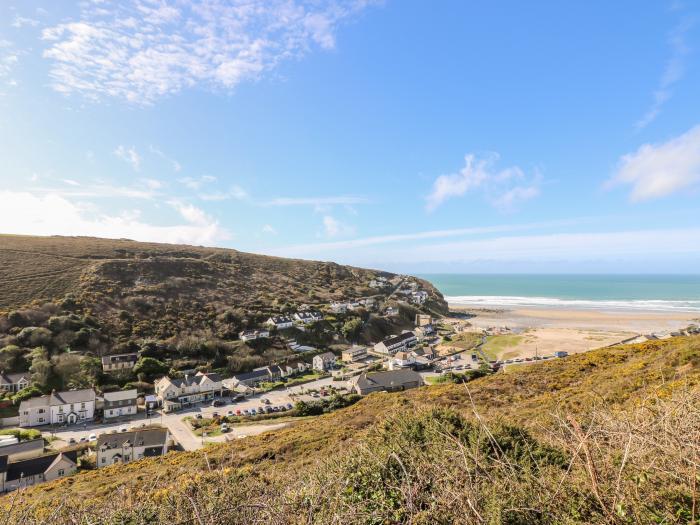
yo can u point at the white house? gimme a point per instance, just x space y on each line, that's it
324 361
308 317
125 447
14 382
402 360
280 322
28 472
419 297
57 408
339 308
121 403
252 335
116 362
190 390
396 343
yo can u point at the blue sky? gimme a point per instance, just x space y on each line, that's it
406 135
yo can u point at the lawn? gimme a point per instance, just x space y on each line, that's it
497 344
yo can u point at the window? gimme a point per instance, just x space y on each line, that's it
61 472
41 420
41 411
82 405
104 460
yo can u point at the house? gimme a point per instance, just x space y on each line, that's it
121 403
29 472
396 343
339 308
419 297
14 382
308 317
392 310
125 447
356 353
249 379
280 322
294 368
116 362
402 360
187 391
391 381
324 361
252 335
424 320
23 449
424 331
57 408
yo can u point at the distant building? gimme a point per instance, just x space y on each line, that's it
252 335
14 382
29 472
280 322
419 297
190 390
308 317
339 308
70 407
125 447
120 403
323 362
391 381
396 343
23 449
391 311
294 368
424 320
116 362
356 353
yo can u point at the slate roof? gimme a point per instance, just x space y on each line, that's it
120 395
396 339
34 445
151 437
119 358
388 379
59 398
34 466
13 378
255 374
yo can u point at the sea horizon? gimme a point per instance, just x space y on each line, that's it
631 292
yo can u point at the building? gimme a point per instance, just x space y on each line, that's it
29 472
396 343
280 322
339 308
120 403
58 408
356 353
308 317
295 368
390 311
252 335
419 297
125 447
14 382
117 362
323 362
424 320
22 449
187 391
402 360
424 331
249 379
391 381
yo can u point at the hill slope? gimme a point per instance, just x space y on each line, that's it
610 436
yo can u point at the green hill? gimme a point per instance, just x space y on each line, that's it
609 436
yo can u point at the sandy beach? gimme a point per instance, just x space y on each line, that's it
541 330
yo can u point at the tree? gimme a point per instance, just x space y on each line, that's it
351 329
12 359
149 367
26 393
41 368
67 367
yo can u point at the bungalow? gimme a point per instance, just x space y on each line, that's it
14 382
324 361
28 472
396 343
125 447
356 353
252 335
280 322
187 391
308 317
70 407
391 381
116 362
121 403
294 368
23 449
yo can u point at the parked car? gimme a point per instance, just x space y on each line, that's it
282 408
92 437
265 400
71 441
224 427
83 439
253 412
238 412
289 406
217 403
198 416
229 413
238 397
215 414
123 429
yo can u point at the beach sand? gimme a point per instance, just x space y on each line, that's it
544 331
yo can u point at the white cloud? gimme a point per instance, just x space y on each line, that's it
129 155
269 229
332 227
673 72
657 170
320 203
234 192
196 183
55 215
21 21
9 57
175 164
504 189
141 50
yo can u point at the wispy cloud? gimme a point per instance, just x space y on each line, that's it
141 50
196 183
56 215
129 155
317 201
234 192
504 189
657 170
673 72
269 229
332 227
21 21
9 57
175 164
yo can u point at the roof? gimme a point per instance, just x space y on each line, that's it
150 437
120 395
193 380
280 319
326 355
396 339
31 467
387 379
14 378
23 447
308 315
59 398
119 358
260 372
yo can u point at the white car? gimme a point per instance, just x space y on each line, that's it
92 437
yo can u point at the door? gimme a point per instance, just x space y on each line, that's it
72 419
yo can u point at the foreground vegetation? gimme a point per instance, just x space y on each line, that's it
609 436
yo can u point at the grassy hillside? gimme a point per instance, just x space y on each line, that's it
610 436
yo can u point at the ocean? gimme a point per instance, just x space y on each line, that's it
606 292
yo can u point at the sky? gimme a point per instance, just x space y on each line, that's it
411 136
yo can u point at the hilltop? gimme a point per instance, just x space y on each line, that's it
609 436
